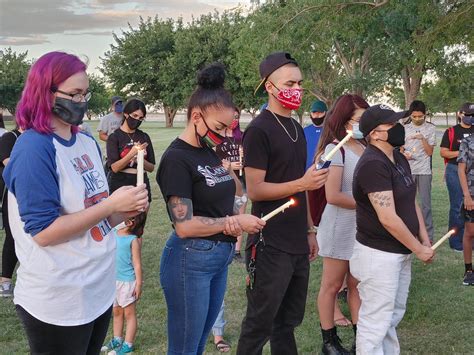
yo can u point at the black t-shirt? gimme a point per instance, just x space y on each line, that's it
268 147
459 134
7 141
197 174
375 172
119 144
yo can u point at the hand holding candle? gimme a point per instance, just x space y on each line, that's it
140 166
278 210
446 236
326 160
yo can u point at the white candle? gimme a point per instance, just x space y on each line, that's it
140 166
446 236
338 146
241 155
278 210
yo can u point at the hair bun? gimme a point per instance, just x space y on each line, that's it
212 77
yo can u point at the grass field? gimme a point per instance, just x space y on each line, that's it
439 319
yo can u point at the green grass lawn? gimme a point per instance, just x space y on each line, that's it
439 318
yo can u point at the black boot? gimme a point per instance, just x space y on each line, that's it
354 347
331 343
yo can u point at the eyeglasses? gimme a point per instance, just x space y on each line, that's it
406 178
76 97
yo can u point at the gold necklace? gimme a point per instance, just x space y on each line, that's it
288 134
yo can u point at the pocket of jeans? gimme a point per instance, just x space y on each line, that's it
201 245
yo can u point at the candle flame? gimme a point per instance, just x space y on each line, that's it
292 201
349 132
452 231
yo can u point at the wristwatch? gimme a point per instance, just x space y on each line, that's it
312 229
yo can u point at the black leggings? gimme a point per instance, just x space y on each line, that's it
9 259
49 339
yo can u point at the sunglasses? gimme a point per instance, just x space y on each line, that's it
407 179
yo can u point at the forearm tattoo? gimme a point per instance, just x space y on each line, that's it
381 199
239 201
181 209
208 221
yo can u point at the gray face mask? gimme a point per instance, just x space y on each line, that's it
69 111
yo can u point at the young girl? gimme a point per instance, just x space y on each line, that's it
128 284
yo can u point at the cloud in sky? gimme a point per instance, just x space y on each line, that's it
31 21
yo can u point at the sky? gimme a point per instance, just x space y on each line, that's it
85 27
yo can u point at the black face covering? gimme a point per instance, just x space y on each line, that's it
133 123
69 111
396 136
318 121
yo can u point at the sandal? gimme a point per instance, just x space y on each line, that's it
222 346
342 322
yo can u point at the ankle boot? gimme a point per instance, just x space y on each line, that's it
354 346
331 343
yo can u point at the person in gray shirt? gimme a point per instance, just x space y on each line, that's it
420 139
109 123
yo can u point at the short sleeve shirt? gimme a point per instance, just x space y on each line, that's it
197 174
466 156
375 172
109 123
312 134
267 146
420 163
119 144
459 134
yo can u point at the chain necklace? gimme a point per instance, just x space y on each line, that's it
288 134
131 137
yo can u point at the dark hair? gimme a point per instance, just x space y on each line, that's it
2 124
417 105
133 105
138 226
337 118
210 91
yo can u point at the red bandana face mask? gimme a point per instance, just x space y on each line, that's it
289 98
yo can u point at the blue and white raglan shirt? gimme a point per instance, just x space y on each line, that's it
71 283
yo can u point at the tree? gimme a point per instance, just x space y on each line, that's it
100 99
136 63
13 71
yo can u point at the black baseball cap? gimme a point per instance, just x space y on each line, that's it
377 115
271 63
467 108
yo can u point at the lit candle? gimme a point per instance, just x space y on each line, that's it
241 158
446 236
278 210
326 160
140 166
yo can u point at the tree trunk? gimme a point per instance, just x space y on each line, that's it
170 113
411 78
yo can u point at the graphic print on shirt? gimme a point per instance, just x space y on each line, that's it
126 149
214 175
95 191
231 150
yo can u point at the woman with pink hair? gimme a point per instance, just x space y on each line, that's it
61 213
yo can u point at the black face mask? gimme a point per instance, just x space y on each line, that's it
396 136
318 121
69 111
133 123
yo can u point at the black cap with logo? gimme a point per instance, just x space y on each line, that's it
377 115
271 63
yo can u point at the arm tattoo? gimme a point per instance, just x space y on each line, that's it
180 209
238 203
381 199
208 221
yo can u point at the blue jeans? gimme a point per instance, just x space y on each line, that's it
455 200
219 324
193 275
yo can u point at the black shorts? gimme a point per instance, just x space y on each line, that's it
467 215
